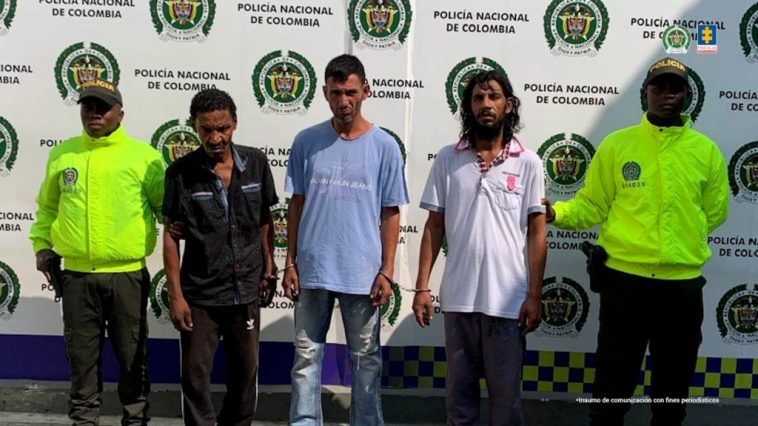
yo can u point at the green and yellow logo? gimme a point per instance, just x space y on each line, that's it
279 217
174 140
576 27
7 12
399 142
749 34
82 62
8 147
565 306
379 24
631 171
284 82
693 105
183 20
566 157
390 311
676 39
159 302
743 173
9 291
737 315
460 75
70 176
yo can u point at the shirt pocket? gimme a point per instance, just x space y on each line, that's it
508 199
253 200
205 205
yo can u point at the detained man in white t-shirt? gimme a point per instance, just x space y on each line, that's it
483 194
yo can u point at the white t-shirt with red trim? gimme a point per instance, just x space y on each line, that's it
486 220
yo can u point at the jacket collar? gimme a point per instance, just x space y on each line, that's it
117 136
672 130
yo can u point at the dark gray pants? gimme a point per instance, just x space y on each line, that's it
92 304
240 326
479 345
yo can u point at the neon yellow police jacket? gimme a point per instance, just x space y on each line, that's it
658 192
99 201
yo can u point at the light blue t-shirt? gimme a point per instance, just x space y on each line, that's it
345 184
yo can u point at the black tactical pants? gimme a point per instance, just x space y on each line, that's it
638 313
92 304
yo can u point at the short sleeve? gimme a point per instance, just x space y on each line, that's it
394 189
435 191
268 187
294 182
535 190
172 197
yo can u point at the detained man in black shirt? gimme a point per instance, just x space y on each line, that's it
219 198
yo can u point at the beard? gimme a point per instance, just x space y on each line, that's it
488 131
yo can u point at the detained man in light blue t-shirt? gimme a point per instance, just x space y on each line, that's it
347 183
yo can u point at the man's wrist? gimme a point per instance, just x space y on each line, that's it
386 276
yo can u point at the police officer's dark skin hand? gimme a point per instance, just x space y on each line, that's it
42 257
549 212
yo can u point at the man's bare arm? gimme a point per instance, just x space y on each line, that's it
179 310
431 242
291 281
389 232
536 246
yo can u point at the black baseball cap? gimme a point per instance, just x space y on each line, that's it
666 66
104 90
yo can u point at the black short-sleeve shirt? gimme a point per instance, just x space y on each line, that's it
223 260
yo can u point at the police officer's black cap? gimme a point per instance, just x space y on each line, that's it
667 66
104 90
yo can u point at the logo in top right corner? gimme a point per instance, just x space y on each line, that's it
707 41
749 34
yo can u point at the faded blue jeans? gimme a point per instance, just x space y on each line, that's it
313 314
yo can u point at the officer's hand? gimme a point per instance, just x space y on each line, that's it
549 211
42 257
530 314
291 283
381 291
422 308
266 290
176 229
179 312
